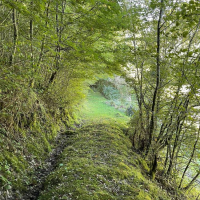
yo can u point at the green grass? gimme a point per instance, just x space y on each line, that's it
96 109
99 164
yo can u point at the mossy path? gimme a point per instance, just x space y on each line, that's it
98 164
94 108
38 180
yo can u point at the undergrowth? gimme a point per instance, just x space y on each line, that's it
26 141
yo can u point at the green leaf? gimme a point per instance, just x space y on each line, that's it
185 33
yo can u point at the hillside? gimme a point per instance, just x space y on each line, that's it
99 162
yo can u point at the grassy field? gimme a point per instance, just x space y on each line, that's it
95 108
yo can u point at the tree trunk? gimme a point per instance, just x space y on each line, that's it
15 36
154 166
190 160
192 181
154 101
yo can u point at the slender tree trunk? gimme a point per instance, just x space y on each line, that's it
31 40
190 160
31 35
44 38
15 36
171 162
58 32
180 123
153 167
154 101
166 157
192 181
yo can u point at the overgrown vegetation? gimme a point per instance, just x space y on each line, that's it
47 51
52 51
118 93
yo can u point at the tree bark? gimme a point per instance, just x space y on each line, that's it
15 36
154 101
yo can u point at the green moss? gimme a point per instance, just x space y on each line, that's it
103 195
33 148
14 170
142 196
25 144
143 164
14 161
54 130
46 144
98 164
124 166
38 145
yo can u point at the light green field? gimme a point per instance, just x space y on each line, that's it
95 109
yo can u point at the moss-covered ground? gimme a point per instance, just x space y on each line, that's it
99 164
21 153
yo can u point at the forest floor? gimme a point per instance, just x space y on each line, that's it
41 173
96 162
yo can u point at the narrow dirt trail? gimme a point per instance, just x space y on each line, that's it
33 191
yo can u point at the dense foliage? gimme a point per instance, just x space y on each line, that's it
117 92
163 69
48 49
